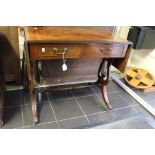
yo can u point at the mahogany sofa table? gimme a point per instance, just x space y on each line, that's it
88 53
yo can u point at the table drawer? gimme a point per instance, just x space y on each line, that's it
105 50
55 51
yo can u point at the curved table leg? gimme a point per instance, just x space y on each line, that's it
34 107
105 97
24 74
28 67
103 78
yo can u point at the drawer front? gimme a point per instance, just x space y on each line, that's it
105 50
55 51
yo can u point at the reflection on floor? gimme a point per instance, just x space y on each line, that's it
80 108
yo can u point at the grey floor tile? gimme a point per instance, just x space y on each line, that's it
152 103
139 109
73 123
60 95
96 89
127 98
27 115
52 125
135 122
150 119
66 109
25 97
117 101
105 117
13 98
82 92
111 88
91 104
124 113
45 113
148 97
12 118
145 114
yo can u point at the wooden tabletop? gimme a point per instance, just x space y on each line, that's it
69 33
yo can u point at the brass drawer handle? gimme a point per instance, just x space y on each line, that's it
105 50
59 52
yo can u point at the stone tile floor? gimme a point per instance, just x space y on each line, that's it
80 108
149 97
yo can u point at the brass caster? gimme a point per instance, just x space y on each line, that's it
35 121
109 107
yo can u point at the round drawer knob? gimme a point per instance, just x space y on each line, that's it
43 50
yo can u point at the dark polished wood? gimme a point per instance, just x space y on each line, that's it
2 95
9 47
68 33
2 92
89 52
2 99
